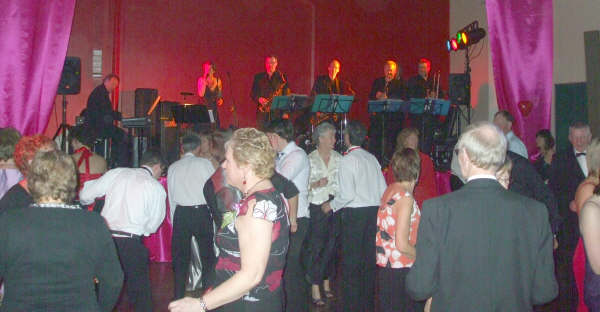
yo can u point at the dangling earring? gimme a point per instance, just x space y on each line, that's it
244 180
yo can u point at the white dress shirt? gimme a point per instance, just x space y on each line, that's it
319 170
185 181
515 145
361 183
293 164
135 201
582 162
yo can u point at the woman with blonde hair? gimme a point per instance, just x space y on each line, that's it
252 246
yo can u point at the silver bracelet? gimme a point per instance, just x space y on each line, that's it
202 304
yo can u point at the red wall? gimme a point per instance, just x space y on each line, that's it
163 44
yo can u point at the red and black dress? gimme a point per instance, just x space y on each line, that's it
268 294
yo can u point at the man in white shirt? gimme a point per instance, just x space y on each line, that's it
190 214
134 206
361 185
292 163
504 120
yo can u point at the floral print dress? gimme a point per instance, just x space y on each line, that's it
268 294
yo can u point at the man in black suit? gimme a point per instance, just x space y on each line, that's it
331 83
483 248
265 87
100 118
568 170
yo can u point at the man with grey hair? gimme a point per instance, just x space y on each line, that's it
483 248
567 171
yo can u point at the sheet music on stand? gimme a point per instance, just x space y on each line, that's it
432 106
290 102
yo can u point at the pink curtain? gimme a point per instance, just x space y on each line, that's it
34 35
520 34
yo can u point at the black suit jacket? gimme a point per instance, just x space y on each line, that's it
50 256
483 248
525 180
396 89
565 176
324 85
99 114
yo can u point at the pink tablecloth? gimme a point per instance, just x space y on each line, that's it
159 243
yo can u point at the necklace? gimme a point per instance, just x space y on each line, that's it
247 192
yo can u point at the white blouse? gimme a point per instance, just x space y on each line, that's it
319 170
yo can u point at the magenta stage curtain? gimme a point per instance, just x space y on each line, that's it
521 43
34 35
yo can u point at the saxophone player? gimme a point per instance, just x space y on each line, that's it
265 87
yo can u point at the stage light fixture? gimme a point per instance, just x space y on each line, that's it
466 37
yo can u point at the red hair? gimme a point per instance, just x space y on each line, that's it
26 149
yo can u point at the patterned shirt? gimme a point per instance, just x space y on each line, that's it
319 170
268 294
385 241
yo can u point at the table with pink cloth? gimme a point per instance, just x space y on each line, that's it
159 243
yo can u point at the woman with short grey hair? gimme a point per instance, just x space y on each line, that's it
324 163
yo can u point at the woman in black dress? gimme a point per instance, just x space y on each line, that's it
210 89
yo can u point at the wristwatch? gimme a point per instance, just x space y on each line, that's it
202 305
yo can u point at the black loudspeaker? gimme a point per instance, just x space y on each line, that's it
457 89
70 80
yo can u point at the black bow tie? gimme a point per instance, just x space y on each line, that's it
579 154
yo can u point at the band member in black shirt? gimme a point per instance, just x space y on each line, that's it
265 87
390 86
331 83
419 87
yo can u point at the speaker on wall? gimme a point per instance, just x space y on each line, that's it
457 89
70 79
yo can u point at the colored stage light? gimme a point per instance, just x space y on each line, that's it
448 46
454 44
464 39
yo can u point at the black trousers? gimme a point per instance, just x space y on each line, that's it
320 243
294 281
568 237
391 292
134 261
190 221
358 229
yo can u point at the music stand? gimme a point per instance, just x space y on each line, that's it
386 106
333 103
427 107
291 102
195 114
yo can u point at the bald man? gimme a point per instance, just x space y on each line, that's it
331 83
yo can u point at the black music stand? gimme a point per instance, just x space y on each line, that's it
334 103
386 106
189 114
